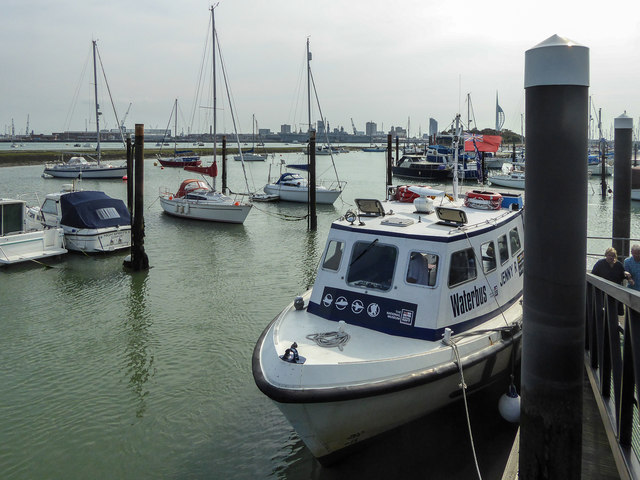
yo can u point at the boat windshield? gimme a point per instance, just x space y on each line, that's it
372 265
333 256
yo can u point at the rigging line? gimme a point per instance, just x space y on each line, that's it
203 64
283 216
231 107
326 133
76 94
104 75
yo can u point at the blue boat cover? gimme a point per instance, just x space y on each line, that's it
93 210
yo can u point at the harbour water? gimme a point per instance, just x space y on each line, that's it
108 374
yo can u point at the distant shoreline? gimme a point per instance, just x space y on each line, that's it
12 158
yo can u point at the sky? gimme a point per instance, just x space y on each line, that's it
393 63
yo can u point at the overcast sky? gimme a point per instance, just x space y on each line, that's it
386 62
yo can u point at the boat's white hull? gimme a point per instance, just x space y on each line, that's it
86 172
250 157
225 212
333 407
506 181
300 195
100 240
34 245
596 169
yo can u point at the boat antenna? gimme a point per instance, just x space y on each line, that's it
95 92
456 139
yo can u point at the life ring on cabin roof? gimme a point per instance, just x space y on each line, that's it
404 195
483 200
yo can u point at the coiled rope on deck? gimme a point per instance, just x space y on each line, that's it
330 339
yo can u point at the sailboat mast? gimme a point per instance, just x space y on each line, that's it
95 92
175 129
213 66
308 85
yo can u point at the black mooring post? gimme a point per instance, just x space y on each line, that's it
313 218
389 163
397 150
139 259
224 164
130 179
623 133
557 93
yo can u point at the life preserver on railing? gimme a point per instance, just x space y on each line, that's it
483 200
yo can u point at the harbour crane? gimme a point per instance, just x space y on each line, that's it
124 118
355 132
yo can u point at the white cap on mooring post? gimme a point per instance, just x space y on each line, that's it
556 61
623 121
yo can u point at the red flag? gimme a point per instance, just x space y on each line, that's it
484 143
211 170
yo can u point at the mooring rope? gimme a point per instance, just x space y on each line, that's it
330 339
453 345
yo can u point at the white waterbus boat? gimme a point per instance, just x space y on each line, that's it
408 298
19 243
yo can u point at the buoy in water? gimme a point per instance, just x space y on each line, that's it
509 405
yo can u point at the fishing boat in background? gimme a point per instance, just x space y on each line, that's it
79 167
92 221
18 242
409 296
180 158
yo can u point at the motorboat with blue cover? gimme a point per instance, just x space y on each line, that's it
415 295
92 220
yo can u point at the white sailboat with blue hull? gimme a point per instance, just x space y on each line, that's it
407 296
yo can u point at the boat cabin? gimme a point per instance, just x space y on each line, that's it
291 179
407 270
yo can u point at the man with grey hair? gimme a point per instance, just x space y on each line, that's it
632 265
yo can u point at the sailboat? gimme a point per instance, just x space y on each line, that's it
251 155
197 199
78 166
180 158
292 187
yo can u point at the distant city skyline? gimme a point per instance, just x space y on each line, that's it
392 66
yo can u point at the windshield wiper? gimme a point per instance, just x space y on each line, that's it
363 252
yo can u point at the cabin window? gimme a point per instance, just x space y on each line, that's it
372 265
49 206
463 267
333 255
423 268
503 249
488 252
107 213
514 238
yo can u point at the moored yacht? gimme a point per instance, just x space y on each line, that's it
414 296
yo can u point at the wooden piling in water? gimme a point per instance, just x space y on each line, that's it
389 163
557 88
312 221
129 175
139 260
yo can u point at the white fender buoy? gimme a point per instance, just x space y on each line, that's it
509 405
